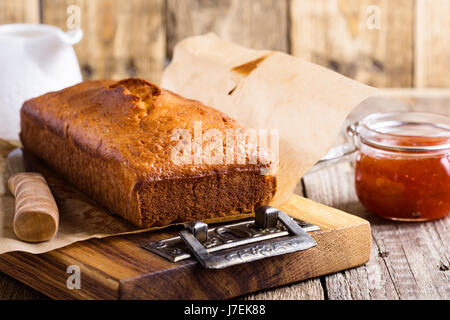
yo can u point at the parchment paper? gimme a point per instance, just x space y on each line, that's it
260 89
268 90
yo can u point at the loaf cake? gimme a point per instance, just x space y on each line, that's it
114 140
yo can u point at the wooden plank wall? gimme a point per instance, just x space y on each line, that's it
260 24
335 34
122 38
19 11
432 43
136 37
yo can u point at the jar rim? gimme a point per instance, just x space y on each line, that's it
405 131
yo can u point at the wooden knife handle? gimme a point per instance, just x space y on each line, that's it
36 218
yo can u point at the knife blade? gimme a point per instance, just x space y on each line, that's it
36 215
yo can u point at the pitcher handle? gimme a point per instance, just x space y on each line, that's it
72 37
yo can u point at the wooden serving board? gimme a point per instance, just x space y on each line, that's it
119 268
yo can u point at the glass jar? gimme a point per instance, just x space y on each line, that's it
402 169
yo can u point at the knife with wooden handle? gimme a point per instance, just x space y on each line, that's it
36 217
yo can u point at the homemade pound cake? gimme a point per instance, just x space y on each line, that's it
115 141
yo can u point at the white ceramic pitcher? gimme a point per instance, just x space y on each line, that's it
34 59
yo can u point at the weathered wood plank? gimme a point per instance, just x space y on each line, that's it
19 11
259 24
121 38
306 290
117 267
334 186
408 260
424 100
335 34
432 56
372 287
11 289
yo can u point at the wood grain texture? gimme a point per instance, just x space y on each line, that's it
121 38
408 260
334 186
432 53
334 33
19 11
118 268
128 38
305 290
371 281
258 24
12 289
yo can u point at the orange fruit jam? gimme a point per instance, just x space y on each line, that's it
404 186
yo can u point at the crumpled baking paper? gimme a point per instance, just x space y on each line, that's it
306 103
269 90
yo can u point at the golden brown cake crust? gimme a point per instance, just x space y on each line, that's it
113 140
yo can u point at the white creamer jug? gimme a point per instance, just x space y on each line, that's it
34 59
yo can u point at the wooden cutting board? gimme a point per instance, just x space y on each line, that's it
119 268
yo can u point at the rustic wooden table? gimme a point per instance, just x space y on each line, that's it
408 260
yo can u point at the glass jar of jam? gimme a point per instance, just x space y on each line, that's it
402 169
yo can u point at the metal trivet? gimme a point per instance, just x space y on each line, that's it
271 233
